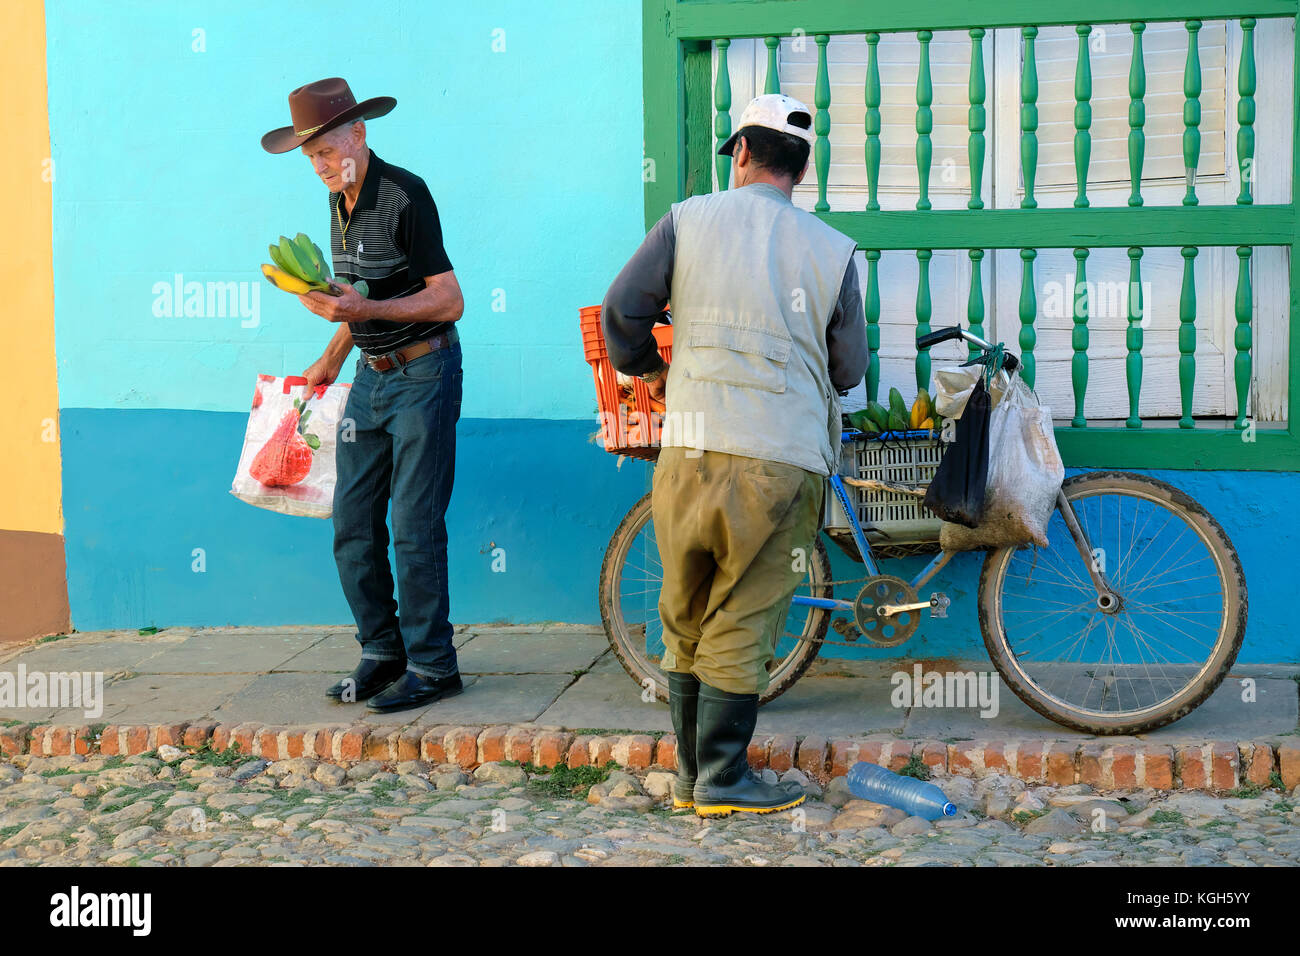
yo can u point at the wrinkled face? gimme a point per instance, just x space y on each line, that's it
335 155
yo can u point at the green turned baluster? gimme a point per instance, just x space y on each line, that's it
1029 119
1079 337
773 83
822 97
975 121
1028 312
1241 338
1137 115
1192 114
1133 366
1244 305
1246 110
923 312
975 301
872 308
871 94
924 121
1187 336
722 121
1082 116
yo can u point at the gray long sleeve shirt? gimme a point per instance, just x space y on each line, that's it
637 298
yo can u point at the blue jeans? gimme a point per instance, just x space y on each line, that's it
404 449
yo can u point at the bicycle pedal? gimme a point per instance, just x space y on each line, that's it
845 629
939 603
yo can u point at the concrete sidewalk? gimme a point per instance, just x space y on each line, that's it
551 676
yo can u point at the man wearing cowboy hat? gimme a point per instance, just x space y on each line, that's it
404 402
767 329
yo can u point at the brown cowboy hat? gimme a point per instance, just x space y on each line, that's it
320 107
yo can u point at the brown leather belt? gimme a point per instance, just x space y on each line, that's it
391 360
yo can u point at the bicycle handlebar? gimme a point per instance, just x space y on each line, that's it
1009 361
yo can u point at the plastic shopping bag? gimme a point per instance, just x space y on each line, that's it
953 386
287 464
1024 475
957 490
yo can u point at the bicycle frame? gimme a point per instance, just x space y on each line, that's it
1106 597
864 546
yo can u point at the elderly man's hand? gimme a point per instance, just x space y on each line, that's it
348 307
659 387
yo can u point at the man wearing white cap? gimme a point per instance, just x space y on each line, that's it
768 331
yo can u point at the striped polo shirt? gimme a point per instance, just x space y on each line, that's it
392 239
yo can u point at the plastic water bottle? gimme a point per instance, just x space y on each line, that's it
916 797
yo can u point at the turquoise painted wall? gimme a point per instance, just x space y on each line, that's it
534 157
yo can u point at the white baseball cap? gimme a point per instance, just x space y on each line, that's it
773 111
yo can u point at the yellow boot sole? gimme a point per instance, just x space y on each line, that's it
726 810
682 804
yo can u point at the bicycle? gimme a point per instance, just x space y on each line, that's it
1087 665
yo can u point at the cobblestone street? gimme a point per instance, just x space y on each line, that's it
210 810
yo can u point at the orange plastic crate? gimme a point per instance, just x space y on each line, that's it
624 430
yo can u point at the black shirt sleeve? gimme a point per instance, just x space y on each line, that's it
419 235
636 301
846 335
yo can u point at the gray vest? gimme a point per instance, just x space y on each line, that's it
755 280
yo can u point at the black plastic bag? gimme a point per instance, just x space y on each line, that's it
956 492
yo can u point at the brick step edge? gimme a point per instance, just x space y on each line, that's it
1206 765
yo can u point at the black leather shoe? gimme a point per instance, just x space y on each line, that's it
683 695
725 783
369 678
412 690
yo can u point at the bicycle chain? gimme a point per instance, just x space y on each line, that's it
822 640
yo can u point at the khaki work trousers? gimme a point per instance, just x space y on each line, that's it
735 538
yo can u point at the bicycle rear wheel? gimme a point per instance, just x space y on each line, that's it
1152 659
630 580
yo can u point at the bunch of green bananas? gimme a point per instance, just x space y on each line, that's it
301 267
873 419
876 418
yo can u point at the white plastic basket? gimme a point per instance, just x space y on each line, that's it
890 518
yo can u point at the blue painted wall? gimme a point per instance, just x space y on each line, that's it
534 157
148 487
536 488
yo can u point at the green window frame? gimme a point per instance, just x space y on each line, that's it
685 116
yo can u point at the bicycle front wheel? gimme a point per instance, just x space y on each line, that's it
1137 665
631 578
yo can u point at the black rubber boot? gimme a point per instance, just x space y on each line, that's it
725 783
683 695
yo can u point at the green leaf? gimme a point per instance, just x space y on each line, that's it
312 440
303 419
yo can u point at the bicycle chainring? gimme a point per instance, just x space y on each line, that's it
891 630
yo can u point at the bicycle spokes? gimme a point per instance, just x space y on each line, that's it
1128 648
639 585
631 583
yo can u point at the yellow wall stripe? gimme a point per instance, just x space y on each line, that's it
30 490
